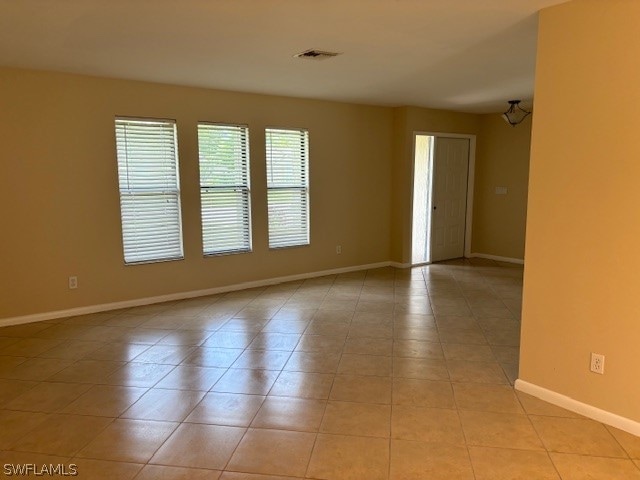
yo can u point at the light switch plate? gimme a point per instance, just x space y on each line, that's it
501 190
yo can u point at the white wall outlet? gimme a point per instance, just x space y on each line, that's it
501 190
597 363
73 283
338 249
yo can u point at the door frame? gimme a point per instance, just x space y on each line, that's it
470 184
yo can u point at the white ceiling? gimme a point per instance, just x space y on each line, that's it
466 55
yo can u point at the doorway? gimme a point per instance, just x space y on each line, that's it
442 192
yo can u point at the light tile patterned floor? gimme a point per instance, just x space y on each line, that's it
384 374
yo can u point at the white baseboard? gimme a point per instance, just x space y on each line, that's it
584 409
39 317
497 258
399 265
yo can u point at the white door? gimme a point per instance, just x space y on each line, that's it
449 200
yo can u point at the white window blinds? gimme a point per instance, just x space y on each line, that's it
288 187
149 190
224 188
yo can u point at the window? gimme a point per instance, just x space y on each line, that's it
149 190
288 187
224 188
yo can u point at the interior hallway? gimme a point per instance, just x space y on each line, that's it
388 373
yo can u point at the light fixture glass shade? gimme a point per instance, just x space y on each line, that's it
516 114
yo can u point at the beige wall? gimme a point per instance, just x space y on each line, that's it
407 121
502 160
60 213
583 227
58 172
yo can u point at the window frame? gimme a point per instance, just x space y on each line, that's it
245 188
123 192
304 189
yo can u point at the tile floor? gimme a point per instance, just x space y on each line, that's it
384 374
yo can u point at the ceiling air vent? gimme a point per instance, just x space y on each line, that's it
316 54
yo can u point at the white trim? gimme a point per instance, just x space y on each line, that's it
584 409
413 178
497 258
471 178
39 317
470 184
400 265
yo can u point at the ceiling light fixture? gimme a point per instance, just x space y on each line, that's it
516 114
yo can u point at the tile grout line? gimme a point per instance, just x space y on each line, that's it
315 440
246 429
455 401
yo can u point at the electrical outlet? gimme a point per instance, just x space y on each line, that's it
597 363
338 249
73 283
